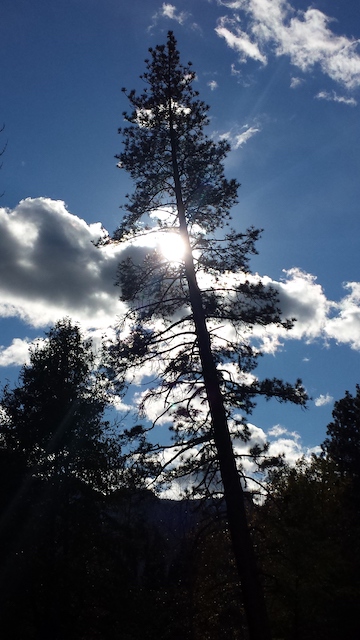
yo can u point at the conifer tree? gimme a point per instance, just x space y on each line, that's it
189 320
53 420
342 446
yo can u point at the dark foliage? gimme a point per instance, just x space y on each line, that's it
342 446
308 542
53 420
58 458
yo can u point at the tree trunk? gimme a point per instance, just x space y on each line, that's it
253 596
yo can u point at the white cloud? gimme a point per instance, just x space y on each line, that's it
317 318
304 36
345 326
334 97
213 85
296 82
288 443
238 139
49 266
170 11
234 71
243 137
16 354
282 442
277 430
302 298
322 400
239 40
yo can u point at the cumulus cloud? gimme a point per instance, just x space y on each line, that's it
334 97
282 442
301 297
16 354
277 430
289 443
322 400
49 266
344 325
304 36
317 318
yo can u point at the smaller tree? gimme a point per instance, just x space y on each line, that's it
58 459
53 421
307 540
342 445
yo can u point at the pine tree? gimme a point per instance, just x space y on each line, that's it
58 458
342 446
189 321
53 420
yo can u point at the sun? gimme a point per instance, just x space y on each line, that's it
172 247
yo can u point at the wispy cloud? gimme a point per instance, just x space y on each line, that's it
334 97
243 137
239 40
234 71
296 82
322 400
213 85
304 36
170 11
239 139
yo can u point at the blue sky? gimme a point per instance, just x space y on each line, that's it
283 82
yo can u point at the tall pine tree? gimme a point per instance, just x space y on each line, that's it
189 320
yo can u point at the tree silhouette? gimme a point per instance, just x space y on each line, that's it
342 445
307 538
189 320
58 460
53 420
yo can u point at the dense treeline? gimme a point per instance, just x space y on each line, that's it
86 552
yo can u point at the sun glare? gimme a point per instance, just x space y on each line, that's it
172 247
